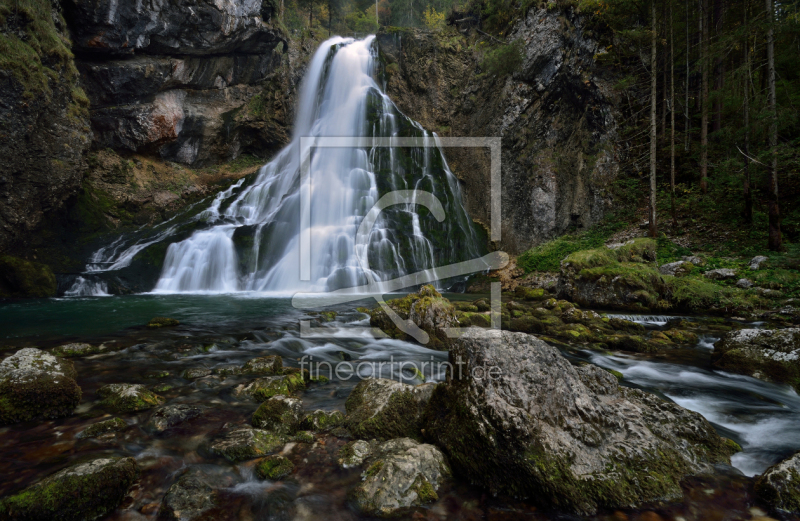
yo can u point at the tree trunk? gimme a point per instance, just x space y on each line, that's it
686 104
719 67
704 99
774 213
672 118
664 106
653 110
748 196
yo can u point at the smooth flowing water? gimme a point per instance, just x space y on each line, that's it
250 238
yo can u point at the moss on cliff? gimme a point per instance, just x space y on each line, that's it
22 278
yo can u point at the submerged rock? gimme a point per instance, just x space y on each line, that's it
36 385
280 414
384 409
103 427
165 418
274 468
129 397
72 350
264 388
85 491
772 355
159 322
403 473
518 418
779 485
195 373
244 443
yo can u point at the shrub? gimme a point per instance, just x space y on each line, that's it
503 60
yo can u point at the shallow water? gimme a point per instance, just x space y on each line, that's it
222 330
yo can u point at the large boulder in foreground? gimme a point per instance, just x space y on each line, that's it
402 474
518 418
779 485
36 385
82 492
772 355
383 409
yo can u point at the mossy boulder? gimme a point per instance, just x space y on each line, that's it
75 350
103 427
274 468
129 397
682 337
244 443
36 385
323 421
523 293
779 486
431 312
279 414
196 372
354 453
85 491
262 389
192 494
401 474
170 416
568 438
771 355
22 278
265 365
384 409
159 322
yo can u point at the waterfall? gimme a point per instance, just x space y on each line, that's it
248 237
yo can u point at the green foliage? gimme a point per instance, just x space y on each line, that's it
434 20
503 59
548 256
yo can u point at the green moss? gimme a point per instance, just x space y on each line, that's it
22 278
159 322
323 420
128 397
97 429
285 385
304 437
425 491
274 468
276 416
400 417
548 256
373 469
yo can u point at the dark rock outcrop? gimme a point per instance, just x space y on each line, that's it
36 385
555 116
772 355
383 409
22 278
82 492
517 418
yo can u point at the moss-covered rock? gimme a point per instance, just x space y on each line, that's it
570 438
192 494
274 468
170 416
159 322
323 421
75 350
195 373
384 409
431 312
279 414
772 355
779 485
36 385
262 389
401 474
682 337
21 278
355 452
129 397
85 491
265 365
103 427
245 443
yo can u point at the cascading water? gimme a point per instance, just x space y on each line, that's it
248 239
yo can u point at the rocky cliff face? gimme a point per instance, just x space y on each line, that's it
44 128
172 78
555 116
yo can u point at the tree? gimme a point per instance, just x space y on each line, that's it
653 109
774 241
748 196
672 118
704 97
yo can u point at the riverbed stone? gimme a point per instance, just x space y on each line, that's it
103 427
383 409
262 389
779 485
245 443
265 365
159 322
280 414
129 397
771 355
195 373
192 494
402 473
323 421
274 468
720 274
354 453
85 491
74 350
169 416
569 438
36 385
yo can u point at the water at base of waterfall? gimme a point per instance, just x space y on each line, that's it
248 238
